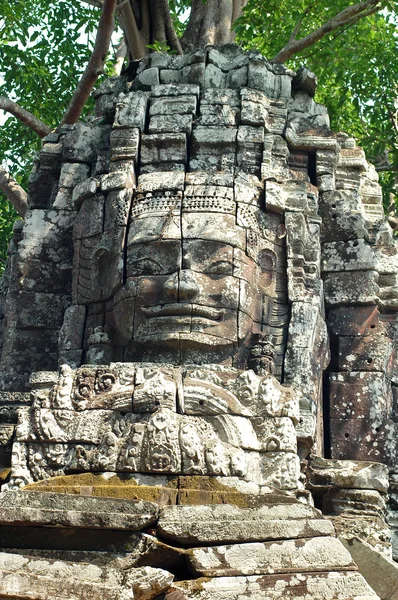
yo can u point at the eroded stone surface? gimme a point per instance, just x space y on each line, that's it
331 586
35 578
49 508
328 473
220 524
316 554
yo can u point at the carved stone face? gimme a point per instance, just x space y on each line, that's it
191 283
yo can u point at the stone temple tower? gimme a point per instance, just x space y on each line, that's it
198 362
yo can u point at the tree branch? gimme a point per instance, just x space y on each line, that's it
24 116
171 36
95 65
120 55
386 168
349 15
299 23
15 194
135 42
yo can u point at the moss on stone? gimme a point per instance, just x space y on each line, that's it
117 486
4 474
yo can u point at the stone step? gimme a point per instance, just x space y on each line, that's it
67 510
215 524
298 586
292 556
97 547
29 578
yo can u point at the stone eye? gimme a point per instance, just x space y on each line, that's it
220 267
145 266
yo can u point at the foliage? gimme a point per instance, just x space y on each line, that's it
45 44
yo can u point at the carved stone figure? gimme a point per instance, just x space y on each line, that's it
210 249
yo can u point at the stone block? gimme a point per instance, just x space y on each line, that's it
125 143
117 209
305 80
213 162
172 105
261 77
351 287
163 147
45 228
200 226
131 110
41 311
161 182
83 142
237 78
86 189
170 77
63 199
342 218
89 221
359 394
72 174
354 255
213 140
380 572
214 77
303 555
49 508
368 353
117 180
147 78
216 524
183 89
51 156
354 502
324 473
43 188
38 578
218 115
169 124
298 586
215 96
254 114
307 133
360 321
363 439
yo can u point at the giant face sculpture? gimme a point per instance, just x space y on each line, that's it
199 284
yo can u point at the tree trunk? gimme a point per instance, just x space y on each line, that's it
149 22
211 23
146 23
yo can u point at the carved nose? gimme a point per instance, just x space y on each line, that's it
171 287
188 287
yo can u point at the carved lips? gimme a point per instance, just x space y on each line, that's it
180 310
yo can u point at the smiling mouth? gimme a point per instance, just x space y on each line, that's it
184 310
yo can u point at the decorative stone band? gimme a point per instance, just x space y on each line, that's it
146 419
